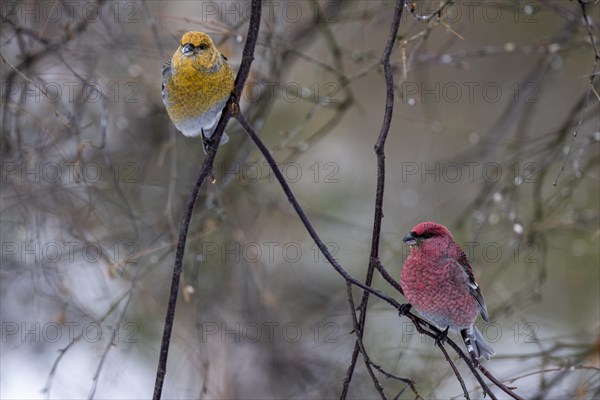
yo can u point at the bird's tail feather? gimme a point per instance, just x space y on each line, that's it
476 343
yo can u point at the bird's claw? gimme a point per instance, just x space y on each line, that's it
441 337
404 309
207 144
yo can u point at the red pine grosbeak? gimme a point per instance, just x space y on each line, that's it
438 282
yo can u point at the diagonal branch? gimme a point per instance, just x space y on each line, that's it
302 215
205 171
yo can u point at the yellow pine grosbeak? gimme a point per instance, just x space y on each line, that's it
197 82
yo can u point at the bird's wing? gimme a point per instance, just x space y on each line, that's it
473 286
166 75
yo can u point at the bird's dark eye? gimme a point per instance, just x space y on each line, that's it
202 46
426 235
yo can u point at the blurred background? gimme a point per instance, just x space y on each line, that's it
495 134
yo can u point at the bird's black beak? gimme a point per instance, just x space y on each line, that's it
188 48
410 239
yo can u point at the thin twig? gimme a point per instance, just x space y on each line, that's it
379 150
591 89
386 275
589 28
496 381
359 342
453 366
114 336
409 382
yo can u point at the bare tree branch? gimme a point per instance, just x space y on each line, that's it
205 171
379 150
